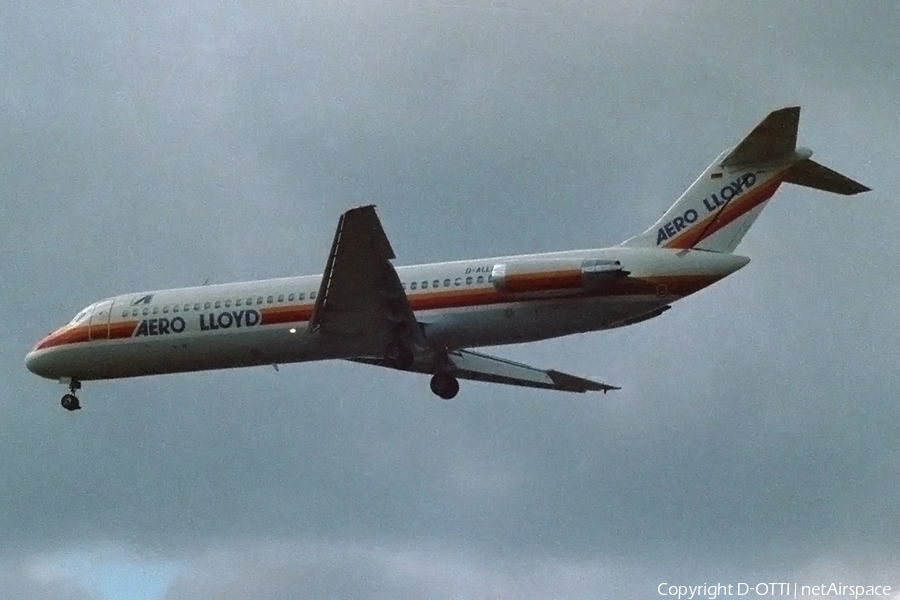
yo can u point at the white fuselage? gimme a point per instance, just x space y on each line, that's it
457 304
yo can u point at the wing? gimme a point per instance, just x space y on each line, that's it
465 364
360 293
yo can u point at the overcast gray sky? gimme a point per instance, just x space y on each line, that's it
756 434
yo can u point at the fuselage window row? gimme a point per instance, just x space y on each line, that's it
424 285
187 307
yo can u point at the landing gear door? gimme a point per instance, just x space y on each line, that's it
99 327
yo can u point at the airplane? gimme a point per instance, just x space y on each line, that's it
427 318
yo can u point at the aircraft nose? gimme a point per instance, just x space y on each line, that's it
35 364
40 361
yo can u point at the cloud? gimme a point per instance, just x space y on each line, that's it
326 570
146 148
37 579
352 570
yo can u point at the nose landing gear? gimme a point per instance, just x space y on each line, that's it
70 401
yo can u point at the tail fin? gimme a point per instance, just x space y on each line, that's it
720 206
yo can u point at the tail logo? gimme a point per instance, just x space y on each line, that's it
711 203
675 225
732 190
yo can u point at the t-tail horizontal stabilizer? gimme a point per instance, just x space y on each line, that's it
774 139
811 174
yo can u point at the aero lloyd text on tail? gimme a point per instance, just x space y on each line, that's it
427 318
721 205
712 203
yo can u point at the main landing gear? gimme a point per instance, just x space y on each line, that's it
398 356
444 385
70 401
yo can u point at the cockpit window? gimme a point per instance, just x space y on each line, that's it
82 316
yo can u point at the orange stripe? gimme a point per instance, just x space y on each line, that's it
681 285
99 332
547 280
72 335
285 314
122 329
722 218
84 333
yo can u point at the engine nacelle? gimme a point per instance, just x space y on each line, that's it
542 275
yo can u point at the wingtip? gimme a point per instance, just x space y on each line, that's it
360 208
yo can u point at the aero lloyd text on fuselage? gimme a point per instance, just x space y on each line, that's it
711 203
208 322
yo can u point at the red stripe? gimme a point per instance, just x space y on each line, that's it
674 285
125 329
286 314
85 333
72 335
735 209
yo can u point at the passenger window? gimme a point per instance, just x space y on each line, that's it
290 298
312 295
480 279
124 313
155 310
468 281
134 313
424 285
237 302
281 297
446 283
228 304
197 306
490 277
403 285
269 300
301 296
187 307
166 309
207 305
412 285
218 304
145 312
249 301
175 308
457 281
259 299
436 283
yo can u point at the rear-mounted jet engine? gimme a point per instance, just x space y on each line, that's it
555 274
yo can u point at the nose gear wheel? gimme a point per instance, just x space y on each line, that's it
70 401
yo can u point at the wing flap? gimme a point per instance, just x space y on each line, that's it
481 367
465 364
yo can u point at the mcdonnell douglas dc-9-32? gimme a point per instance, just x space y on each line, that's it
426 318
